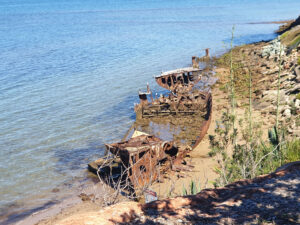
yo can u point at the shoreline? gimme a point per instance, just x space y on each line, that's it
198 157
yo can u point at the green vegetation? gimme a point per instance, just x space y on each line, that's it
298 61
284 35
250 156
292 151
295 42
192 190
291 38
237 70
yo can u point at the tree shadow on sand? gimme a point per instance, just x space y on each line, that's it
272 198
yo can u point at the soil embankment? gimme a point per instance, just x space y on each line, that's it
272 197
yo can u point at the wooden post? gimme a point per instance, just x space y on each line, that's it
207 52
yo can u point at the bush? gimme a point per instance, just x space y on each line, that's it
251 156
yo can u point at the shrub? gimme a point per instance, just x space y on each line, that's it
251 156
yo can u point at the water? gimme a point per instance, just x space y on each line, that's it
70 71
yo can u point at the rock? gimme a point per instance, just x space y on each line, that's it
55 190
273 49
258 92
287 113
297 103
271 96
271 71
297 73
284 74
294 90
283 108
294 132
84 197
272 121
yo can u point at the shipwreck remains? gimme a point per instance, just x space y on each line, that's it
139 160
175 79
183 103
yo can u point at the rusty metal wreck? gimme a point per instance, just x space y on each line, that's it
145 156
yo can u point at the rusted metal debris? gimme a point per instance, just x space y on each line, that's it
184 99
182 103
144 157
175 79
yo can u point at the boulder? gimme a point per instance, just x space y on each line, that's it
271 96
273 49
287 113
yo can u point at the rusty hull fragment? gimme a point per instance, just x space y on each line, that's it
180 104
141 155
174 79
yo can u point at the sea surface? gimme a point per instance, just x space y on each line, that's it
70 71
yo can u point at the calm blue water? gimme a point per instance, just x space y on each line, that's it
70 71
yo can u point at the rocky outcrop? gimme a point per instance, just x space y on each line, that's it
263 60
272 198
274 48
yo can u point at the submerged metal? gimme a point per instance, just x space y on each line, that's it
182 103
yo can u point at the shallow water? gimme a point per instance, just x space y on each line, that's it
70 71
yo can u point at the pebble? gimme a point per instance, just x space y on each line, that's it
287 113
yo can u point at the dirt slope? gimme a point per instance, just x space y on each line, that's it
269 198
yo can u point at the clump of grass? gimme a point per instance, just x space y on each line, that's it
223 87
284 35
298 61
192 190
295 42
292 151
224 60
298 96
